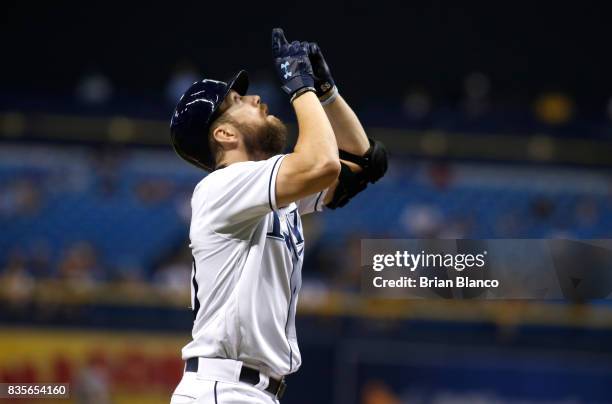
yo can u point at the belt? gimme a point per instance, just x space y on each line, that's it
248 375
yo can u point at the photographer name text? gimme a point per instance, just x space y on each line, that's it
404 260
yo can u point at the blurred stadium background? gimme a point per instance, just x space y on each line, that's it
498 118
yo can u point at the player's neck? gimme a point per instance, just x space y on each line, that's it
233 156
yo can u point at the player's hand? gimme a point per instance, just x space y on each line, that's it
292 65
324 82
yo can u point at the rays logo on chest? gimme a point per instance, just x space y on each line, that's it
288 227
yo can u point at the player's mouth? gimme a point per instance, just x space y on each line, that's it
264 108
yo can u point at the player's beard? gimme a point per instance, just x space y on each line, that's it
265 141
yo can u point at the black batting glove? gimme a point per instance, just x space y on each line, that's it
292 65
324 82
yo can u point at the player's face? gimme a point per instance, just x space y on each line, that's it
247 108
263 134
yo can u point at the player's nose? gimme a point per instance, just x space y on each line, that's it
256 100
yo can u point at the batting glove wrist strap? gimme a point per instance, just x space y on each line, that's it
292 64
329 97
299 92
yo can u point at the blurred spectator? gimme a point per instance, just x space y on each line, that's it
21 197
456 228
554 108
40 259
417 104
321 260
587 212
542 208
441 175
17 282
79 265
154 190
127 274
173 277
94 88
347 271
377 392
184 75
510 225
107 164
421 221
92 383
476 87
183 205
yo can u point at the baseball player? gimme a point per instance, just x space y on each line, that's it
246 233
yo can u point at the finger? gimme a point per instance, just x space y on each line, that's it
313 49
278 40
314 53
295 47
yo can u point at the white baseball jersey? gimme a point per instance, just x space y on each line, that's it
247 264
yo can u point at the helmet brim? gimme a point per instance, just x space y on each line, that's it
239 83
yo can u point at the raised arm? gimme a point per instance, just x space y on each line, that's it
363 160
350 135
314 165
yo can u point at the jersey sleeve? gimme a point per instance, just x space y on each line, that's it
312 203
238 196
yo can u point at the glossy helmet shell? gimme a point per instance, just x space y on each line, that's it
195 111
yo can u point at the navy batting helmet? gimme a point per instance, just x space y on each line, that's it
194 113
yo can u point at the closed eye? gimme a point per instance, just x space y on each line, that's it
232 99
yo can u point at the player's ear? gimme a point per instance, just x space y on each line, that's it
226 135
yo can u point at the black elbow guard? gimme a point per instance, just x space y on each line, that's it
374 166
374 162
349 185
